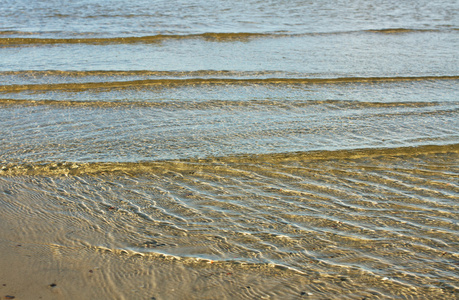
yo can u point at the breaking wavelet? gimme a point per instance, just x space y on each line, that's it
202 81
212 104
187 165
223 37
15 41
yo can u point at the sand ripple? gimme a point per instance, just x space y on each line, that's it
384 217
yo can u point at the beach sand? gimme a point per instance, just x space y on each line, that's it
47 271
110 235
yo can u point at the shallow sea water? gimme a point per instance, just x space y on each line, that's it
274 150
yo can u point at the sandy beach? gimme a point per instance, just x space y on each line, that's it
237 149
59 241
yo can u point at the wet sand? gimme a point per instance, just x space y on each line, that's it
373 224
39 271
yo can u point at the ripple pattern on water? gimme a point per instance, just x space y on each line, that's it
391 216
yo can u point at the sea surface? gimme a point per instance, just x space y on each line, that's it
313 137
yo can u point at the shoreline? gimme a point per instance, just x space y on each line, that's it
34 268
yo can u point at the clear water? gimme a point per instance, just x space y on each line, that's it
318 137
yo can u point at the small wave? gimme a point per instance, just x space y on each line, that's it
109 73
330 104
400 30
210 36
190 165
203 81
16 38
194 260
16 32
